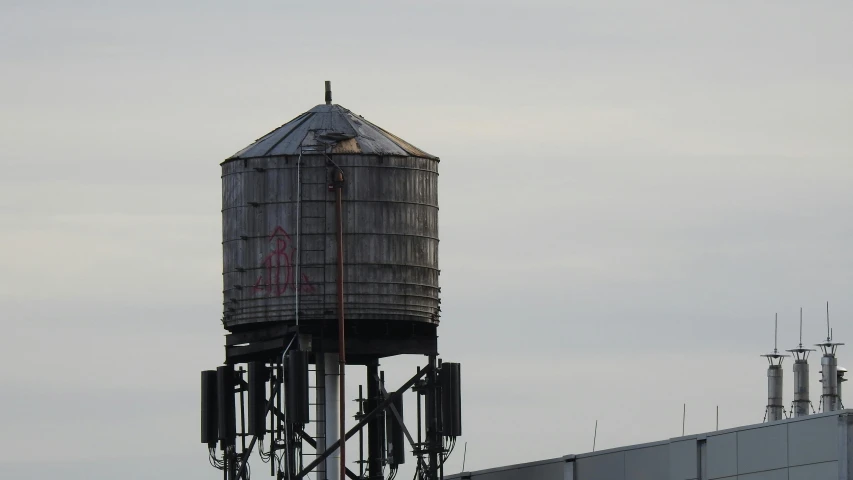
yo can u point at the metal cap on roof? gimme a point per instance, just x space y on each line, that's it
335 129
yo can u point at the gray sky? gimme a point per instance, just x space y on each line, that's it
628 190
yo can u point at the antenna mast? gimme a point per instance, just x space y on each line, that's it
801 327
776 334
595 435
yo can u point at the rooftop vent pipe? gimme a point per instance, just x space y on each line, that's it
801 404
775 409
830 400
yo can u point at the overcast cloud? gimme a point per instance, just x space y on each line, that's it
629 191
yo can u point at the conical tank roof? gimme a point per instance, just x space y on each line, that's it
333 125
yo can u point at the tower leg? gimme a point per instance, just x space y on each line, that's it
320 412
332 369
232 465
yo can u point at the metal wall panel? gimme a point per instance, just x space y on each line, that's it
760 449
722 455
813 440
781 474
608 465
845 446
650 463
569 470
815 471
548 471
682 460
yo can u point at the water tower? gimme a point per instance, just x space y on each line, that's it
330 259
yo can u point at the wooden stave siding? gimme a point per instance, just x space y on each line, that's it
390 217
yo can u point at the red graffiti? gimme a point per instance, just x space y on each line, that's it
277 278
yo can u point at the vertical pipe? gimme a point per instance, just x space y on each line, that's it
286 379
339 180
298 221
242 414
801 387
280 386
829 379
332 414
420 438
774 393
272 419
383 422
360 432
419 445
320 426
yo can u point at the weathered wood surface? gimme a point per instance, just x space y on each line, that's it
390 239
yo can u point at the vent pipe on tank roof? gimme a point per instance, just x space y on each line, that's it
801 404
775 410
829 399
328 92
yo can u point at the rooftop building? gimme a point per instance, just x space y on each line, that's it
814 447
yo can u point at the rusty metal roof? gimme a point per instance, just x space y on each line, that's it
331 127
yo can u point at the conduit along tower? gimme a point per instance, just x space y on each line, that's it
775 409
330 262
801 404
830 399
